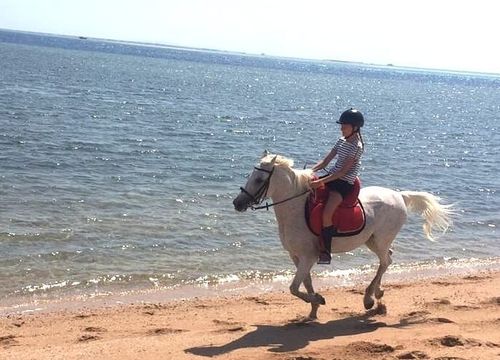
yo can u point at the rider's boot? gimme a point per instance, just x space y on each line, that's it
325 256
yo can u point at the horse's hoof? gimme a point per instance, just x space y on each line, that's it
368 303
319 299
303 320
310 318
381 309
379 294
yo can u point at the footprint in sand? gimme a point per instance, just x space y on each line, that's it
356 291
91 337
257 300
465 307
420 317
229 326
417 354
94 329
417 313
88 337
151 307
8 340
164 331
439 302
449 341
474 277
454 340
441 320
444 283
365 347
81 316
397 286
493 301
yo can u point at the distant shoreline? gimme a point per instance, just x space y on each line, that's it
389 66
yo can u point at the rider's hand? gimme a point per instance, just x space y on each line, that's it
315 184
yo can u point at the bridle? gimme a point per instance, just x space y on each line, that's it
261 193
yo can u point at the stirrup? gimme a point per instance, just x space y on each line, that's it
324 258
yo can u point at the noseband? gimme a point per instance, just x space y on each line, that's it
261 193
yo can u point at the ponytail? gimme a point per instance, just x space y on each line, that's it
361 138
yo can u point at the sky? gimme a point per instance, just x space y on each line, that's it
438 34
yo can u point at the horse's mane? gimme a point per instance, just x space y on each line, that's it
302 177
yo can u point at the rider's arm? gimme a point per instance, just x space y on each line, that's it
336 175
323 163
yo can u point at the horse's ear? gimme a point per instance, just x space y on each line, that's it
274 159
265 153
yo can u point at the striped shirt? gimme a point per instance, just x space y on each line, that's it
346 150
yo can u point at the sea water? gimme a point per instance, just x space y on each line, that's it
119 162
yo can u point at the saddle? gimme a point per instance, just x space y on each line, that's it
348 219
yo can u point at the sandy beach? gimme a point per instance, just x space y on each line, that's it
443 318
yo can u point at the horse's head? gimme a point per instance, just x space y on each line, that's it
258 182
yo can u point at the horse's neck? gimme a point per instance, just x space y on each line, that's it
288 183
290 210
295 184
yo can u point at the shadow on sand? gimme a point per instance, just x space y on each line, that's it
294 335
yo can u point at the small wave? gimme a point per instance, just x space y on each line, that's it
13 237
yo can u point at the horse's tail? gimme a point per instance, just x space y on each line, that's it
435 214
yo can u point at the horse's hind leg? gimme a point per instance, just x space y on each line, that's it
382 250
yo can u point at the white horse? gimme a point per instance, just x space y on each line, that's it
386 212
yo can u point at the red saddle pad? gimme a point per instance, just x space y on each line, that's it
348 219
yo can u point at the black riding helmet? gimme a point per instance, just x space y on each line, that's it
352 117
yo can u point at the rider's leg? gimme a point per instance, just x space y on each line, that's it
334 200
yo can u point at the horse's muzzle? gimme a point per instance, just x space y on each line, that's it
241 202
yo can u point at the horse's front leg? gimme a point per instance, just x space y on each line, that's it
320 300
303 275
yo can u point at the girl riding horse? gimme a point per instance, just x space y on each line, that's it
341 176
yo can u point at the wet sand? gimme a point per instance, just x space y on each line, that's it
453 317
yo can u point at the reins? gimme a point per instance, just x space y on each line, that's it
267 206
